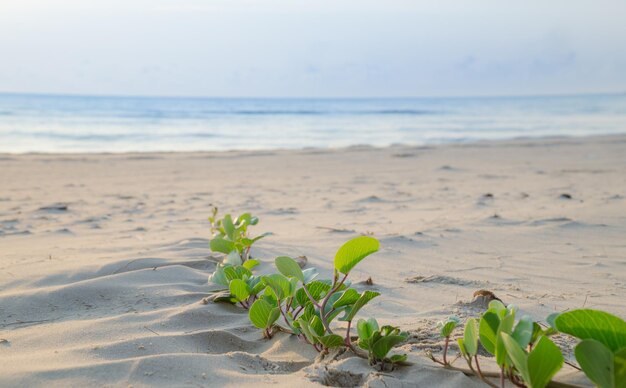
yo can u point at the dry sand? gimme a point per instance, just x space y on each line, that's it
104 258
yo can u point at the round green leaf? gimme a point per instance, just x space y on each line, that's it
239 289
470 337
523 331
543 363
366 328
218 244
596 360
385 344
347 298
594 324
355 250
518 357
262 314
446 327
288 267
331 341
488 328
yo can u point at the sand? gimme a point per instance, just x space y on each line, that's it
104 258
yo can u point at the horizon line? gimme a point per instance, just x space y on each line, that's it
530 95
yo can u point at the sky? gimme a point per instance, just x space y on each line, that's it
312 48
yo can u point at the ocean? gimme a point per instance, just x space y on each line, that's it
51 123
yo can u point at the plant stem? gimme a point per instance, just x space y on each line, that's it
467 372
480 374
502 377
284 315
325 300
306 291
347 340
445 350
297 312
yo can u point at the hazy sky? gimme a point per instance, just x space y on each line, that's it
312 47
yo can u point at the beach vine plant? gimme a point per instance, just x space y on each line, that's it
525 354
230 236
295 301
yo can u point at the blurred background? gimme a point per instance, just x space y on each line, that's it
165 75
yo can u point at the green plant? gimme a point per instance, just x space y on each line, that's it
601 352
230 237
537 367
445 330
522 349
378 342
309 306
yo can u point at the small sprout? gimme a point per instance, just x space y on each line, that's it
446 327
445 330
230 237
379 341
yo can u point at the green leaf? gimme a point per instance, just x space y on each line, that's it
331 341
307 331
396 358
223 296
288 267
596 360
470 337
348 297
506 326
251 263
229 228
366 328
233 258
462 349
362 301
317 326
262 314
279 284
488 329
543 363
385 344
355 250
316 288
446 327
218 244
496 306
310 274
239 289
518 356
551 319
523 332
619 367
218 277
593 324
255 284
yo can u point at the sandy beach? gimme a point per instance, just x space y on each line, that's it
104 258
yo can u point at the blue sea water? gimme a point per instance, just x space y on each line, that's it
49 123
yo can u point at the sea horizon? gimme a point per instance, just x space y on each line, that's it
53 123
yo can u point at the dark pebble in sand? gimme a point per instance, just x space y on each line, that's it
57 207
565 196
